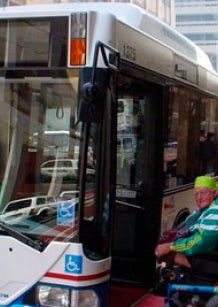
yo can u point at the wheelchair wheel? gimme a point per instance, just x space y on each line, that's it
213 301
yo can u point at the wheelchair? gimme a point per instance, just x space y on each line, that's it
197 286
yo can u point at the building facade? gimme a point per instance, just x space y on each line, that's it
198 20
164 9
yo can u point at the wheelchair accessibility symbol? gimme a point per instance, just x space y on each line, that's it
66 211
73 264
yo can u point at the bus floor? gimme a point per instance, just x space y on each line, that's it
121 296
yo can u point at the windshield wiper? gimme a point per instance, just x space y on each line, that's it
36 244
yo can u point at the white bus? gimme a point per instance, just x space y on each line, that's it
127 87
54 143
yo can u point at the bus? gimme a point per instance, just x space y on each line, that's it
53 142
133 97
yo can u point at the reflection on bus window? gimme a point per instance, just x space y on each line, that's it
129 111
52 141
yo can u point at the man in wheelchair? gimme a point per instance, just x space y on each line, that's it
199 232
190 249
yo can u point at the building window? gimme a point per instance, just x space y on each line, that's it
195 17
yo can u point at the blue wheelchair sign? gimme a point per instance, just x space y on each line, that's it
73 264
66 213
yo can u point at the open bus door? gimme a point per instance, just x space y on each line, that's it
95 115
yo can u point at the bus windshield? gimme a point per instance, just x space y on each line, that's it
49 161
40 159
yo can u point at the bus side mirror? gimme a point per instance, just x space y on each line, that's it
92 95
93 84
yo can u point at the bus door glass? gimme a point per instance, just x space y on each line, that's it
99 135
138 158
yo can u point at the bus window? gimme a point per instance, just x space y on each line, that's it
186 115
38 42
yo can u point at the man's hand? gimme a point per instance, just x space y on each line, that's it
162 249
182 260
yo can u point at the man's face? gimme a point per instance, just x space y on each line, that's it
204 197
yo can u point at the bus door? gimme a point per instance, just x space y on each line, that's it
138 187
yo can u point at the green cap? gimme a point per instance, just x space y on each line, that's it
205 182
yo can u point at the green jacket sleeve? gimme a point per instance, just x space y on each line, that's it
204 234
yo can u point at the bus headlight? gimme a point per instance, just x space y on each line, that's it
61 297
53 297
85 298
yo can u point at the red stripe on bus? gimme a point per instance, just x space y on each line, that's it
77 278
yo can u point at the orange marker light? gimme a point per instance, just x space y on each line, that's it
77 39
77 51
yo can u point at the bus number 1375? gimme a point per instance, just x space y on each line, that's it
129 52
